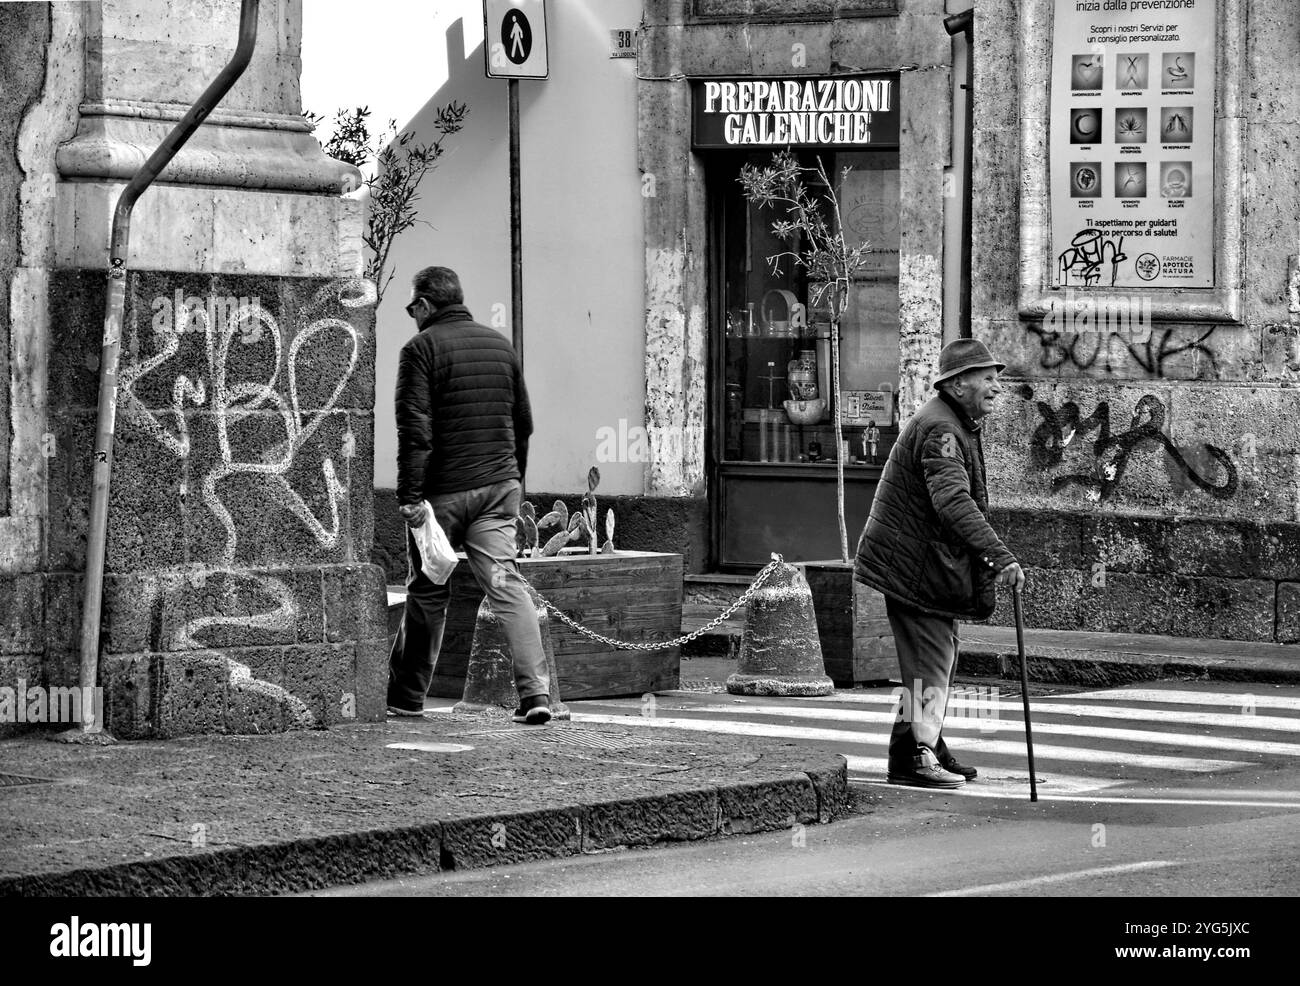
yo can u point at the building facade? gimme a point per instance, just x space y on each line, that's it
238 595
646 274
1132 218
1142 460
1144 464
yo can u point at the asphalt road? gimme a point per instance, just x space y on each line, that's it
1169 790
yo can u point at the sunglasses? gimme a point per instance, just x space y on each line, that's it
410 309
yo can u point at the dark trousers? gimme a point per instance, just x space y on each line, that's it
927 658
482 522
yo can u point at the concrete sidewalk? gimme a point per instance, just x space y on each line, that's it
295 811
1077 657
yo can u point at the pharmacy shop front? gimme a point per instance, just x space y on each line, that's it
741 324
773 447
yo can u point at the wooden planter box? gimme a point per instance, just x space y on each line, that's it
634 596
857 643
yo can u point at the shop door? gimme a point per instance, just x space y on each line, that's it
773 450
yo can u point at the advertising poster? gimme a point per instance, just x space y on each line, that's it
1131 141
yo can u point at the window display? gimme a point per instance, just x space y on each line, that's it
776 352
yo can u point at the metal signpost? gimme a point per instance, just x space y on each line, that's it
514 48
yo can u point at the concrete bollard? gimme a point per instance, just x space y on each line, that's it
780 652
490 673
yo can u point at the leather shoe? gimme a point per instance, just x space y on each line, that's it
949 763
925 771
534 710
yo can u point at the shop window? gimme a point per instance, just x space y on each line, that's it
775 354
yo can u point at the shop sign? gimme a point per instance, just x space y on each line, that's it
864 407
1131 144
841 112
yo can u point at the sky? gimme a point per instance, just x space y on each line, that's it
386 54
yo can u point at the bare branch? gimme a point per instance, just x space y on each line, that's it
401 163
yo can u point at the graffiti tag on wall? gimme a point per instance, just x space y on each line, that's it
231 402
1111 452
1111 352
1091 256
1099 331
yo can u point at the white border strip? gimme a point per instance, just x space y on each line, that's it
1039 881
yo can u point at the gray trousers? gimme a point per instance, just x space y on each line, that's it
927 658
482 521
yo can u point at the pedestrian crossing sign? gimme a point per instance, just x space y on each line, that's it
514 39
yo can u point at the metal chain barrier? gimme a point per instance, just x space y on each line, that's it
754 586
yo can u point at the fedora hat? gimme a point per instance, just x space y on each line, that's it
961 355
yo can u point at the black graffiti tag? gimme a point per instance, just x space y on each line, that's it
1086 256
1111 452
1059 348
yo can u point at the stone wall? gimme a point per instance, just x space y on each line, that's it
238 593
239 597
26 27
1149 478
37 111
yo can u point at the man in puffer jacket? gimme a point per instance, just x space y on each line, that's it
929 548
463 421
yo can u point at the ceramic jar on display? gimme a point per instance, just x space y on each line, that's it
801 376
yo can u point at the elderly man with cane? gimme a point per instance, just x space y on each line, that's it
929 548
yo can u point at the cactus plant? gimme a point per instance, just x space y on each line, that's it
608 548
558 517
589 509
581 523
526 531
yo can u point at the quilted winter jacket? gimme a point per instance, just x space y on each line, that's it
463 417
928 542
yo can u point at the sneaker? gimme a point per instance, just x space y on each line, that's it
950 763
394 710
925 771
534 710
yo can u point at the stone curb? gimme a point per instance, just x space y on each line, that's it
1102 668
816 795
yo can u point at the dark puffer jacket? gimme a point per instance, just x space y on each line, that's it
928 542
463 417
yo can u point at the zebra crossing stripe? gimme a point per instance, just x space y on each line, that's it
1236 744
995 779
1050 704
1175 697
991 747
1074 790
975 791
1221 720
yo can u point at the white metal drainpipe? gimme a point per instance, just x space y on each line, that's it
113 306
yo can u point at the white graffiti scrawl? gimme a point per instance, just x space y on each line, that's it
229 403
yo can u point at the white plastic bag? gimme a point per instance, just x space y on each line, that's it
437 560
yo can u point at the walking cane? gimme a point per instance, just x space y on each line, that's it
1024 690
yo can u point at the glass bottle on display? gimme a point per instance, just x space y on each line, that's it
735 421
